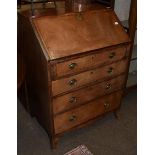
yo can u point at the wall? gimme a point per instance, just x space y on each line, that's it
122 9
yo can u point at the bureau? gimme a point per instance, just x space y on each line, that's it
76 67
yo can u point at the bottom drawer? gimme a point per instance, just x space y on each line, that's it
84 113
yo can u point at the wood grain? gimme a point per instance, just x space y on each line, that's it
52 42
97 29
87 94
63 85
86 112
102 57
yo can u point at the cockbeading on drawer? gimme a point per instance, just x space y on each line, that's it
86 112
85 78
97 58
82 96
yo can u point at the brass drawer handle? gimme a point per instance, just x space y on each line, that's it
108 86
106 105
72 82
72 65
110 70
72 118
112 55
73 100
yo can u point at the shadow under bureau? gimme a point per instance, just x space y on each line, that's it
76 67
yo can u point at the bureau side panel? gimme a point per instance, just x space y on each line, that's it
36 74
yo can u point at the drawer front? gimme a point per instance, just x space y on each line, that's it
68 84
71 119
80 64
87 94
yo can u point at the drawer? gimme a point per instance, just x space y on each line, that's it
73 118
68 84
87 94
80 64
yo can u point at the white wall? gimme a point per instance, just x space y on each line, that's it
122 9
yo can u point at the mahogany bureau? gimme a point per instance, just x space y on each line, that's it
77 66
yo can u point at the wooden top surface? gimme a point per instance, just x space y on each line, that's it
66 35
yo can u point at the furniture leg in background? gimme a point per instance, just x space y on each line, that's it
131 31
131 26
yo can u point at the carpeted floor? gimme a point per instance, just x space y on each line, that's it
106 136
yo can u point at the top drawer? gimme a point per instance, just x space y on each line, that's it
93 60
